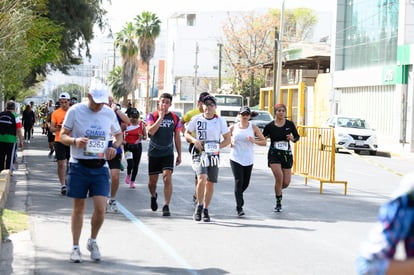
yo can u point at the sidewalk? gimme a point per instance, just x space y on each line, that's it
17 251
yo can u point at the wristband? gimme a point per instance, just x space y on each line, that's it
74 141
114 146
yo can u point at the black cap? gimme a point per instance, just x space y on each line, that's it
134 113
245 109
209 97
202 96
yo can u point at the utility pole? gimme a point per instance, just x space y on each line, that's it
153 87
219 68
273 103
195 76
279 63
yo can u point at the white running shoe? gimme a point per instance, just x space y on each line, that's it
111 206
76 256
94 249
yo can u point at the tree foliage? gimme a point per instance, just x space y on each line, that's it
74 90
249 43
125 42
39 35
148 28
117 86
250 39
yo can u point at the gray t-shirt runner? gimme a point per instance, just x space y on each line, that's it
97 126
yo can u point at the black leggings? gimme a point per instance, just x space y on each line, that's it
241 181
27 132
133 163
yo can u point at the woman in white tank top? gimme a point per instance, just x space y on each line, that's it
243 137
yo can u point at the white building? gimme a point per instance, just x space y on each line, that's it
372 69
193 39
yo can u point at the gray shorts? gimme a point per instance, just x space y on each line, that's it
209 167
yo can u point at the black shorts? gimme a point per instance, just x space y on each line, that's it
50 136
62 151
158 164
285 158
115 163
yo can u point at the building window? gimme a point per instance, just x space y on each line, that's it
191 20
370 33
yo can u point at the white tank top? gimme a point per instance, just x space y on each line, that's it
242 151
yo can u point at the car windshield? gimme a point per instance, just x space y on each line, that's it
352 123
263 116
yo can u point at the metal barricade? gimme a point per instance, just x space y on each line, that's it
314 155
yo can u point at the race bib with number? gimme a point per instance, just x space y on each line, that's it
128 155
95 147
281 145
212 147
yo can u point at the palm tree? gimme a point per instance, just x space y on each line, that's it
117 86
125 42
148 28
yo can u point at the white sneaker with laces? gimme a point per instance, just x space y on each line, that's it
112 206
76 256
94 249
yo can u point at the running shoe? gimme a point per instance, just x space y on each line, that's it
240 212
122 167
128 179
195 200
206 216
166 211
132 184
154 205
278 207
63 190
92 246
28 141
76 256
50 154
197 213
112 206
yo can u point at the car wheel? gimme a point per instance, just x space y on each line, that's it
373 153
357 152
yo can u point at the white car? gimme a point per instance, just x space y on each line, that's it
353 133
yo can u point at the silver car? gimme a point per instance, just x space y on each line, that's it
353 133
262 118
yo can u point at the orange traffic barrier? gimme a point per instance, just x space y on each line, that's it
315 155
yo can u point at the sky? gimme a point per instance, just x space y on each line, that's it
122 11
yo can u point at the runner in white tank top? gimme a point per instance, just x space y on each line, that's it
243 137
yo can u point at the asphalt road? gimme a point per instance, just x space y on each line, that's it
316 234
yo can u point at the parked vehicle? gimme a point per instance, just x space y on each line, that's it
353 133
228 106
262 118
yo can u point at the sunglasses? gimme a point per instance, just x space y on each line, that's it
211 104
245 114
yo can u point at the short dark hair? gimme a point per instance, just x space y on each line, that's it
166 95
11 105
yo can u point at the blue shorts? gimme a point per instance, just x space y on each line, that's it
80 180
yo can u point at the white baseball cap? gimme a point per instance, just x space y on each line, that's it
99 93
64 96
